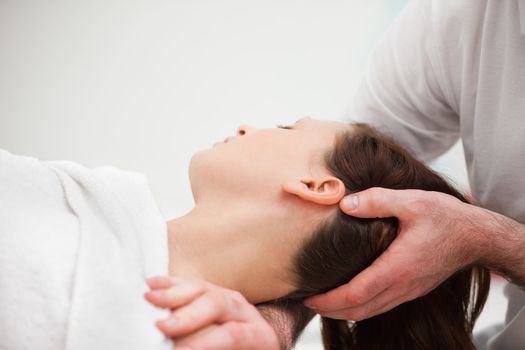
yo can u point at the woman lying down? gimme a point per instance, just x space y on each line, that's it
76 245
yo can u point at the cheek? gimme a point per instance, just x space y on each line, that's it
260 163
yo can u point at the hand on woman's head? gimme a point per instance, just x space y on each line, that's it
301 244
343 246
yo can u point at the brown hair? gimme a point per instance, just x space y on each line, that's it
342 246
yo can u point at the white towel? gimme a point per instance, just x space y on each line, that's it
75 248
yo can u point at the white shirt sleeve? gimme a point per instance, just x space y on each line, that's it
404 91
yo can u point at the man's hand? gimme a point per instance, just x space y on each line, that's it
438 235
209 317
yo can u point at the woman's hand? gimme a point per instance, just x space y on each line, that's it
206 316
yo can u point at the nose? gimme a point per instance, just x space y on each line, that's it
244 129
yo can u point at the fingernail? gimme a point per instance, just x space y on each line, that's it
154 279
350 202
158 294
309 305
171 323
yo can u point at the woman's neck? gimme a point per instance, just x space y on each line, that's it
235 246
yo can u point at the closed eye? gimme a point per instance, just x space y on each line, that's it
280 126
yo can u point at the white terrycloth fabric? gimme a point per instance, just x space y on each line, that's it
75 247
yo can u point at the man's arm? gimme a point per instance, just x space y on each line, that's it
504 243
438 236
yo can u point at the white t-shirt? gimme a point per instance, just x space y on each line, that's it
456 68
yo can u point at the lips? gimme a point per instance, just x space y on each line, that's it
226 140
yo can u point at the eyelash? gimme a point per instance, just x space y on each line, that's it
280 126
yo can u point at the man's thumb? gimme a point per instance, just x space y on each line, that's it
349 203
374 202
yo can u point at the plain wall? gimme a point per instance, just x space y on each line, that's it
144 84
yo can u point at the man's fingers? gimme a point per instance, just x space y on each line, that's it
374 202
230 335
383 302
360 290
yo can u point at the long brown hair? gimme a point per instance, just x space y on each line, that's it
343 246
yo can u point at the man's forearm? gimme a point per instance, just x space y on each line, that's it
503 246
288 319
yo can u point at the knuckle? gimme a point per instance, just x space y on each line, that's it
378 199
170 279
404 276
189 320
412 295
236 332
201 285
378 195
196 286
237 296
216 298
429 202
419 203
401 294
198 346
354 298
236 300
358 315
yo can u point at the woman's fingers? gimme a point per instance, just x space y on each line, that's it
209 316
161 282
176 295
227 336
214 306
183 343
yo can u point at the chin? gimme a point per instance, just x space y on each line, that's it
196 170
217 171
206 171
201 160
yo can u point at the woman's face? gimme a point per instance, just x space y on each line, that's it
256 162
267 189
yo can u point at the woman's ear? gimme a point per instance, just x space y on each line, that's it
326 191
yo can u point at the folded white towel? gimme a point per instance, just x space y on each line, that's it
75 248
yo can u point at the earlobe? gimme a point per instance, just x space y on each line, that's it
327 191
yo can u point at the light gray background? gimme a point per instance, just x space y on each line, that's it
142 85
